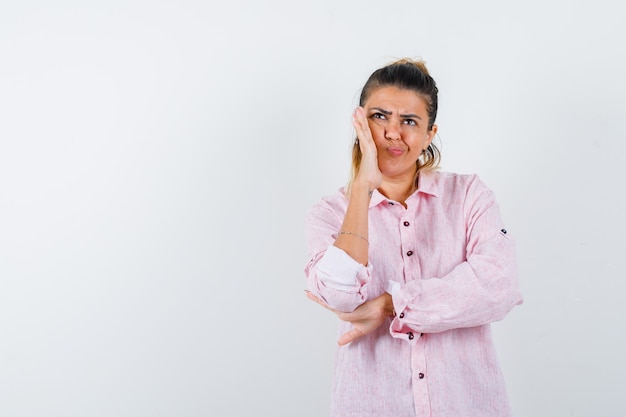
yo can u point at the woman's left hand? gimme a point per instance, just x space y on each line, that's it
365 318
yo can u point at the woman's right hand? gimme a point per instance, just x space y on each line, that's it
366 318
369 174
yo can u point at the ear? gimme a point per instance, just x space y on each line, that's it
431 135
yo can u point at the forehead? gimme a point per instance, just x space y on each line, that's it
397 99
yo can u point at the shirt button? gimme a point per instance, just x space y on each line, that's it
401 315
390 203
410 335
406 223
421 375
409 253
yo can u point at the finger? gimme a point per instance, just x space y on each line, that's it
311 297
359 121
349 336
350 316
319 301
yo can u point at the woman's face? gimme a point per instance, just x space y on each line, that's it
398 120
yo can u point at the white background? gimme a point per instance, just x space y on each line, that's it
157 160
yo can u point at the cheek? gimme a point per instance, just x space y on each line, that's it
371 124
377 130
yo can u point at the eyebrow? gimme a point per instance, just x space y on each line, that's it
387 113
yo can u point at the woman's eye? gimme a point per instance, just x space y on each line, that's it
379 116
410 122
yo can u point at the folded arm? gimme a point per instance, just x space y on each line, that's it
480 290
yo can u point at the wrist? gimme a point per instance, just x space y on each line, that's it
386 304
362 188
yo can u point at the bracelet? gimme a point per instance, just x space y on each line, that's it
353 234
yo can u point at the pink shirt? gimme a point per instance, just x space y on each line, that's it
450 267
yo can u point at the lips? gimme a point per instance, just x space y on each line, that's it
395 151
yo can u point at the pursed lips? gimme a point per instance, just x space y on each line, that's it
395 151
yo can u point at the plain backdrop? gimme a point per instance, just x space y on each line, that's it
157 160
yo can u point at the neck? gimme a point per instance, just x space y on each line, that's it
397 190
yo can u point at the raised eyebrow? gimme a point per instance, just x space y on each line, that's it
388 113
383 111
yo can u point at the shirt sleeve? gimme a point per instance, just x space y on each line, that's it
480 290
332 275
339 270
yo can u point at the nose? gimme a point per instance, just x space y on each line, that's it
392 130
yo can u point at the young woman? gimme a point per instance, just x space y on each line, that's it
415 263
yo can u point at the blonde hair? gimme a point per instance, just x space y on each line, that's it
406 74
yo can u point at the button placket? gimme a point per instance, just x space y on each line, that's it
418 377
408 242
409 239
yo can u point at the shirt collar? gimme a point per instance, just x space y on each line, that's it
426 184
377 198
